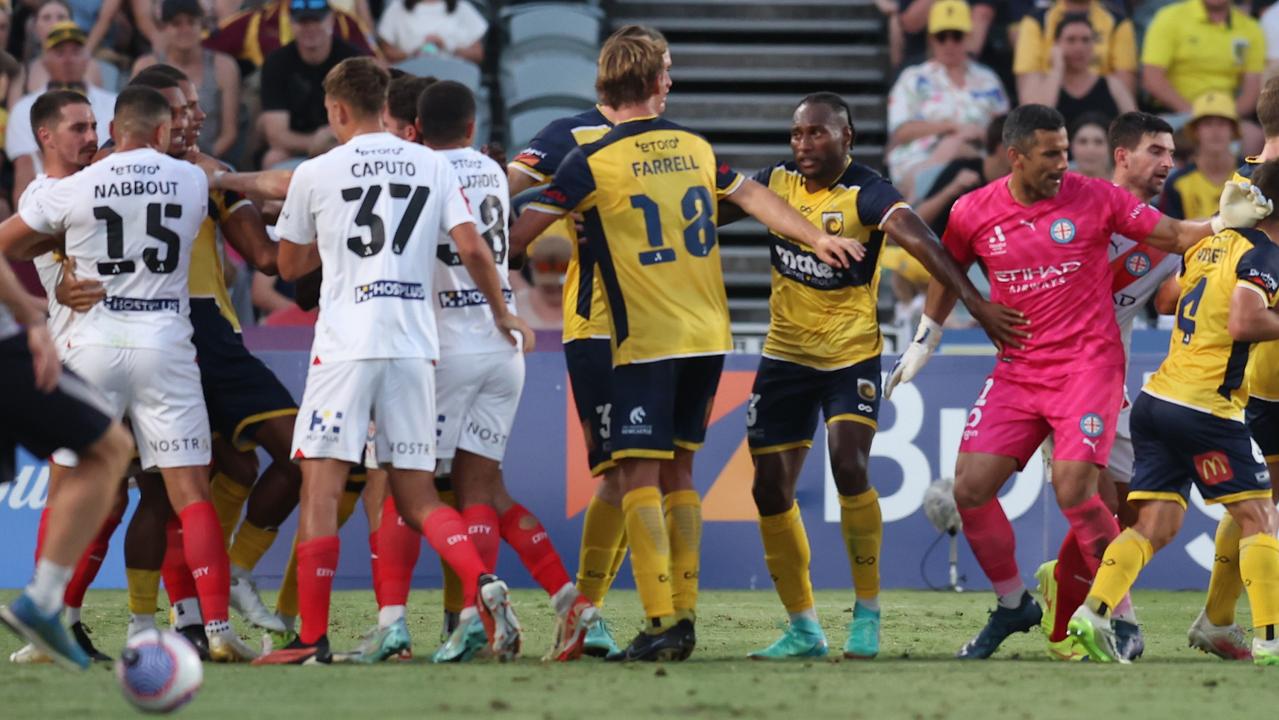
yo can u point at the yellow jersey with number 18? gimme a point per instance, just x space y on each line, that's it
1205 367
649 191
823 317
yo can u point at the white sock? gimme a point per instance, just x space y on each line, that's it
1012 600
217 627
387 615
187 612
73 615
467 616
48 585
1124 611
138 623
809 614
239 573
563 599
871 604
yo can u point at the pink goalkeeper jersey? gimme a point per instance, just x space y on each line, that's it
1049 260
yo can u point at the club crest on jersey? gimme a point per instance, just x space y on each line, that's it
1061 231
833 223
1137 264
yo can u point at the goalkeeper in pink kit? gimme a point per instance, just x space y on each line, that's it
1041 235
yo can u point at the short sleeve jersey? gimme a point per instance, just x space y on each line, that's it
824 317
650 191
1200 55
1116 47
130 220
208 278
1205 366
376 206
465 323
1050 260
584 313
1263 360
49 267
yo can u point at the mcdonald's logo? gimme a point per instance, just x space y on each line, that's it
1213 467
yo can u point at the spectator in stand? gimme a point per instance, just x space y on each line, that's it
294 121
6 26
540 302
1195 46
66 62
215 75
433 27
1192 192
1071 85
1270 33
938 110
991 20
252 35
33 76
1089 147
1114 52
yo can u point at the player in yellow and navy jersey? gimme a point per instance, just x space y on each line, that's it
587 353
1188 427
822 356
649 191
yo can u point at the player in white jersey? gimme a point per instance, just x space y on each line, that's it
371 212
135 237
1142 146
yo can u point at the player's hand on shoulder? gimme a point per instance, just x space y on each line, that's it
1005 326
44 357
838 251
79 295
1241 206
916 355
510 324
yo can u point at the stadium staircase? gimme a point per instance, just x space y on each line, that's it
740 66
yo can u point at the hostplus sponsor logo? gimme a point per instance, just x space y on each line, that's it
325 426
389 289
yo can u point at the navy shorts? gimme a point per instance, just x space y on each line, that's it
590 373
1263 423
1176 446
73 416
663 405
786 398
239 390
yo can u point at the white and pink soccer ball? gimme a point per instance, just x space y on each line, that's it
159 671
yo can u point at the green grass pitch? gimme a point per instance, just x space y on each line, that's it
913 678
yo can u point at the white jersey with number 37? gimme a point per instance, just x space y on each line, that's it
130 221
377 207
466 324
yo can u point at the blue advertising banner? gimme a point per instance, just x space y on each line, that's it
546 470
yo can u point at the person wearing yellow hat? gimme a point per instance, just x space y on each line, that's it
938 110
66 62
1192 192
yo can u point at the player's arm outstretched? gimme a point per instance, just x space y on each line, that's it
1241 206
767 207
19 241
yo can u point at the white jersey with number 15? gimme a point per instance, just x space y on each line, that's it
376 206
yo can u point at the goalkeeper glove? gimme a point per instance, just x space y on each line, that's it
909 363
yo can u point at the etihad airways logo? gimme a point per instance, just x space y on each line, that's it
1038 274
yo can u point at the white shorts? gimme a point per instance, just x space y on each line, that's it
479 394
159 391
342 397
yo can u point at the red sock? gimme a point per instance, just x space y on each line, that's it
90 562
207 558
398 549
1073 584
44 519
317 564
481 524
373 566
991 538
446 532
1094 527
178 582
525 534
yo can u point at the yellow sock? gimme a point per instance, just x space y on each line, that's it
144 589
603 529
251 543
650 550
863 528
1259 565
619 557
452 583
684 528
787 555
286 600
228 498
1225 585
1124 559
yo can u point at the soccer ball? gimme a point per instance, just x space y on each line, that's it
939 506
159 671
